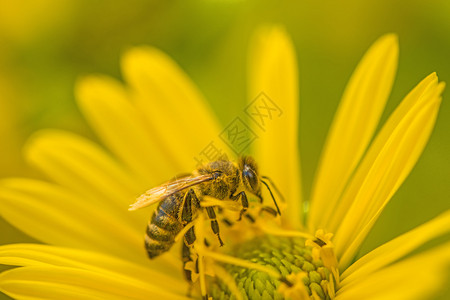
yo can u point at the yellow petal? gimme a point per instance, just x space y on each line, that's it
56 216
415 278
353 127
122 128
53 282
385 167
397 248
80 165
26 290
406 105
273 110
173 108
35 255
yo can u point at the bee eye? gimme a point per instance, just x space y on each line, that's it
251 178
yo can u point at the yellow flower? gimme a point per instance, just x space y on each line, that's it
152 129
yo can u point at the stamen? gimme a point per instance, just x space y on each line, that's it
274 268
240 262
323 248
285 233
284 264
183 231
330 288
201 272
295 288
226 204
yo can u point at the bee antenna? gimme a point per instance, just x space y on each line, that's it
273 198
274 187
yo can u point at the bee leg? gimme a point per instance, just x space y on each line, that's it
227 222
260 198
269 210
244 202
186 257
230 223
214 223
189 205
250 218
189 237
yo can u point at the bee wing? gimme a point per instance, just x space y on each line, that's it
167 189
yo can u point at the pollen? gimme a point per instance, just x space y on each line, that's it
303 275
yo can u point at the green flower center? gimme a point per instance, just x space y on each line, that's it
286 255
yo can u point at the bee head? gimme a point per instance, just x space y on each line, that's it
249 172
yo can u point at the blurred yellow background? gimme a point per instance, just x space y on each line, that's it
45 45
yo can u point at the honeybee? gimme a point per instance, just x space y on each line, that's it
180 201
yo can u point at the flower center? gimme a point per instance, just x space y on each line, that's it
288 256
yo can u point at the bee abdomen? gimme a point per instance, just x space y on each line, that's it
158 240
155 247
161 232
166 221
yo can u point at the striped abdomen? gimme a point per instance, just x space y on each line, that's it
164 225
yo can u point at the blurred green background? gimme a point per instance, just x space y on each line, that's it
45 45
